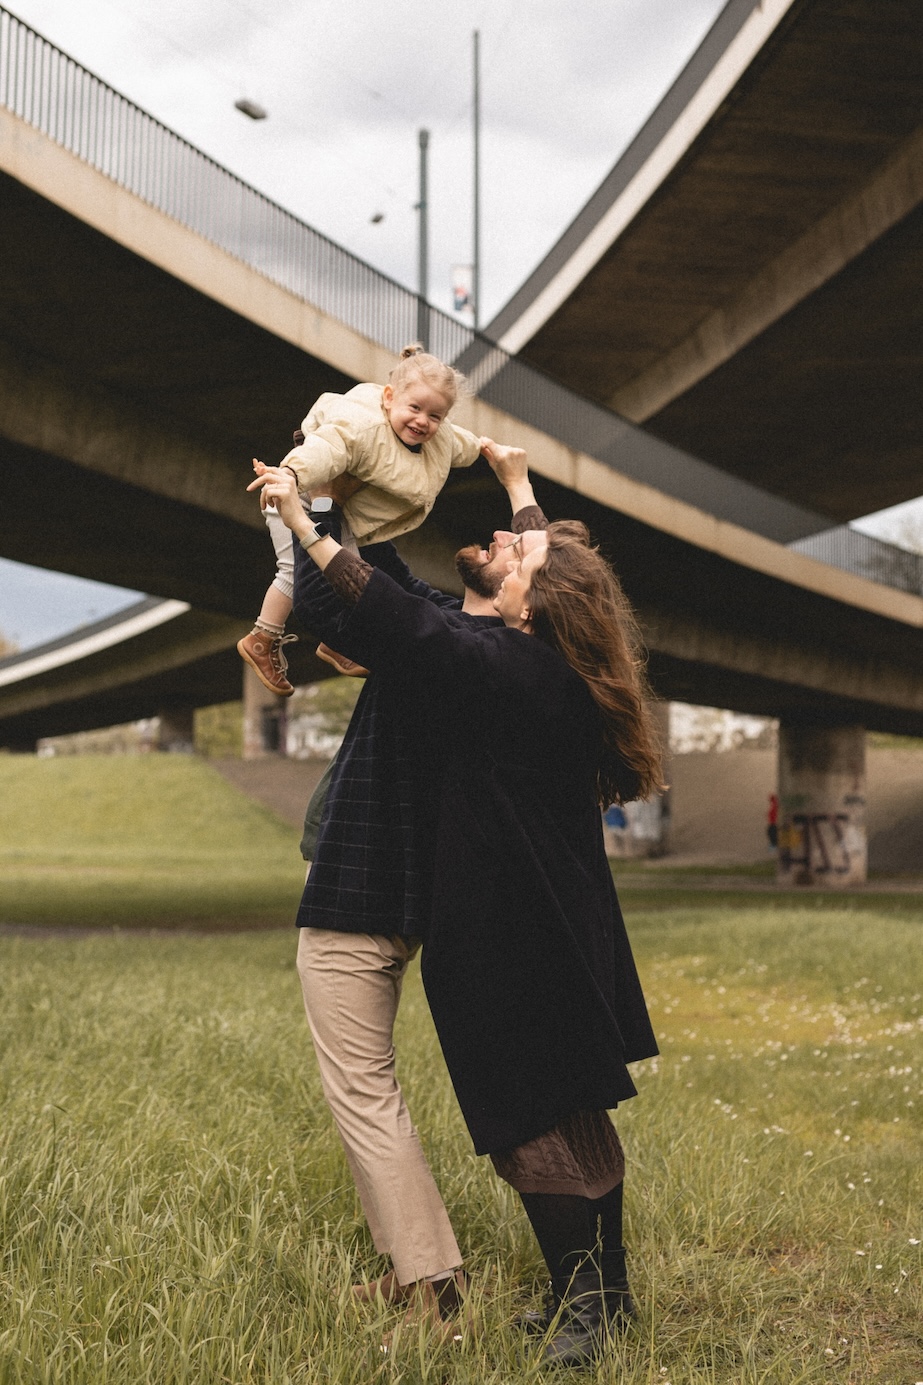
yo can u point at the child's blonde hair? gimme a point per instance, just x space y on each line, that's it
417 364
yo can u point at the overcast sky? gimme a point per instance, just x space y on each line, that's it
347 86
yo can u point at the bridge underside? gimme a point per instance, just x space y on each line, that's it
131 402
762 308
718 635
826 403
203 682
138 403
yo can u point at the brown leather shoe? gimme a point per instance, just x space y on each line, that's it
439 1309
347 667
263 653
387 1289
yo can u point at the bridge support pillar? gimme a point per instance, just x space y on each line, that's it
264 719
176 733
822 832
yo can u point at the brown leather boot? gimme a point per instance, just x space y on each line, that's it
386 1290
439 1308
263 652
347 667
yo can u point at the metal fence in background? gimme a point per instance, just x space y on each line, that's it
53 93
50 91
866 556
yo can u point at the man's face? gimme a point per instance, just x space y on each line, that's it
483 569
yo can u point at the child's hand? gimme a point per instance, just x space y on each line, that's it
258 466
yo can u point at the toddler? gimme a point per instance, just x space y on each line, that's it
396 448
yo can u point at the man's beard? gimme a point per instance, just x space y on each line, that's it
477 576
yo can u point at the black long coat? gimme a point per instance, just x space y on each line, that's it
372 864
527 965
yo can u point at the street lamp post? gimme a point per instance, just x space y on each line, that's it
476 248
423 255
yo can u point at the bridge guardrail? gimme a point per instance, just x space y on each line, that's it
866 556
52 92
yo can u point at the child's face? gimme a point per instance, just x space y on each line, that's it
414 411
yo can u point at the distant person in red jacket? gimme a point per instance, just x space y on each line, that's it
772 821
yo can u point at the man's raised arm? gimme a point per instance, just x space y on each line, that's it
510 466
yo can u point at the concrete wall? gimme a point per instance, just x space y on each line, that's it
720 803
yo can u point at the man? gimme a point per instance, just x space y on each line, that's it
363 913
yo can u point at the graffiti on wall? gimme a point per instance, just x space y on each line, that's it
823 843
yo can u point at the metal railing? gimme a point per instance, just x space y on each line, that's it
50 91
56 95
866 556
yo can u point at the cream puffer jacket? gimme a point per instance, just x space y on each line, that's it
351 432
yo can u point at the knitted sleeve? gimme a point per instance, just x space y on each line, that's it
529 517
348 575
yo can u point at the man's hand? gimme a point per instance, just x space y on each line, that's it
512 471
508 463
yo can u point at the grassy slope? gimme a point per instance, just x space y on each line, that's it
128 841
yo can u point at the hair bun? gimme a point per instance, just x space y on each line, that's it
416 363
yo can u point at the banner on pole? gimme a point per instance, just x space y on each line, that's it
463 289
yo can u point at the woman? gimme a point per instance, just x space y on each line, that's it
527 966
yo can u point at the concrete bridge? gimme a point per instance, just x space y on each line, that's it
746 280
160 323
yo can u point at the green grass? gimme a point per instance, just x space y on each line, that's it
639 865
175 1208
135 841
907 904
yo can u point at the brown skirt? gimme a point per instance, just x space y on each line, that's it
581 1155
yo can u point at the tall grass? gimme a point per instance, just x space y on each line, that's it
174 1205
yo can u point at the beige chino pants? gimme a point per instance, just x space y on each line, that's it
351 983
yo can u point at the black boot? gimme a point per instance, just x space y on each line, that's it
607 1214
581 1241
535 1322
620 1307
583 1330
566 1235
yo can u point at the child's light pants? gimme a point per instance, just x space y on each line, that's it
281 536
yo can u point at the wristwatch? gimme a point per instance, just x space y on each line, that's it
321 531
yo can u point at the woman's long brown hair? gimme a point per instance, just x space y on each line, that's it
579 608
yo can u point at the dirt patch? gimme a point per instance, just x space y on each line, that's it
283 786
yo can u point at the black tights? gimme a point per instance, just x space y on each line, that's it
576 1233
